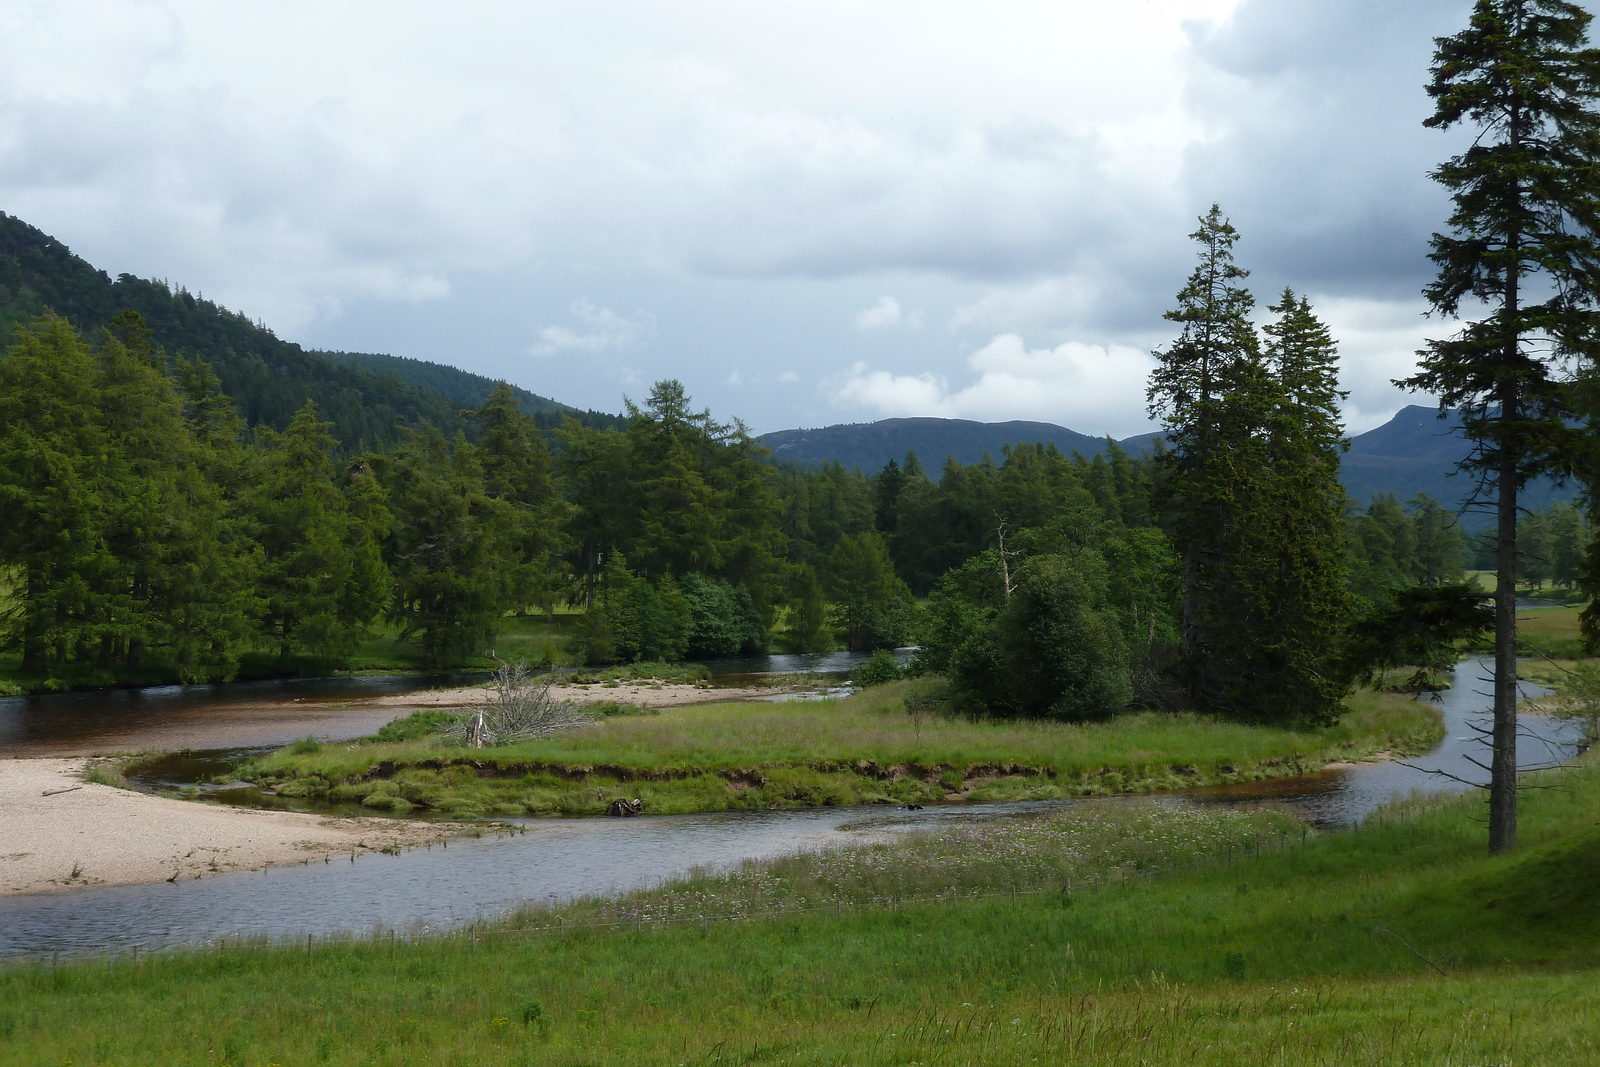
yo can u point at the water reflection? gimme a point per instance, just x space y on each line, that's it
275 712
272 712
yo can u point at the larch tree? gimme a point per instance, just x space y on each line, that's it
516 470
1522 258
322 578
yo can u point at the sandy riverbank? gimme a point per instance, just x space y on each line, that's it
96 835
644 694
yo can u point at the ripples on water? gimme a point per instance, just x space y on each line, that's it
558 859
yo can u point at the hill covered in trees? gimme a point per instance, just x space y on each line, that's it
1414 453
367 398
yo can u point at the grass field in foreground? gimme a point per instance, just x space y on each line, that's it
1398 943
858 750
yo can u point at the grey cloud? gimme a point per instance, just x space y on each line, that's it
1318 151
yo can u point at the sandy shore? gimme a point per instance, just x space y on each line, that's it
644 694
60 837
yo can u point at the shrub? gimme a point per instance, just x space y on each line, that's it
882 667
723 620
414 727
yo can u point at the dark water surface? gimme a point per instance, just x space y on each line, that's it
558 859
230 715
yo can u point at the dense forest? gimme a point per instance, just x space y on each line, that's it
152 521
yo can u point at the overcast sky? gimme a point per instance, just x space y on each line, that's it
809 212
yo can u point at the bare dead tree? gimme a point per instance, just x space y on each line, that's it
520 708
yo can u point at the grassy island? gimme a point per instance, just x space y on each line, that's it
863 749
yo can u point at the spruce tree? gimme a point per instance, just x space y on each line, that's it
1522 243
1305 604
1250 492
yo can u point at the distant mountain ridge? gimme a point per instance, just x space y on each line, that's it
367 397
1414 452
869 445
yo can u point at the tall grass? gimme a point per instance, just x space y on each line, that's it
1399 943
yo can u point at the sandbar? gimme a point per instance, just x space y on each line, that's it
63 833
643 693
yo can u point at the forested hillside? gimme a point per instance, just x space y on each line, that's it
869 445
1413 453
366 398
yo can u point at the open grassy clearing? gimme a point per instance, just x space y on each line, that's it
862 749
1396 943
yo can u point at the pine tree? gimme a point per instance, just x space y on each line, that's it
1523 242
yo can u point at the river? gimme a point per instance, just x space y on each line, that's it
559 859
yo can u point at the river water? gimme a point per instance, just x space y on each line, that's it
559 859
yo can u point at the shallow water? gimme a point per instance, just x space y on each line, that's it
275 712
472 879
1344 797
558 859
233 714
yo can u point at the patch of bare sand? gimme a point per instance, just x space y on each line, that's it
1347 765
60 837
644 694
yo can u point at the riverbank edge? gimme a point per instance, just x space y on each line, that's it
65 833
473 784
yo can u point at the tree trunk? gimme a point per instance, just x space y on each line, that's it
1503 758
1503 761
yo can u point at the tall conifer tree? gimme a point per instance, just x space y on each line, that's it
1251 495
322 576
1522 242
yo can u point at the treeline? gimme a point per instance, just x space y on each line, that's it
148 524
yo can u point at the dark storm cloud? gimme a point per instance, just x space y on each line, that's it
1318 150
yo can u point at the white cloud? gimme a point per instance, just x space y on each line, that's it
886 313
1378 342
1031 164
1090 388
604 331
736 379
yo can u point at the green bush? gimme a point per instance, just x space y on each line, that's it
1052 648
417 725
723 620
882 667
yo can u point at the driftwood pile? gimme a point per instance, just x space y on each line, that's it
621 808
